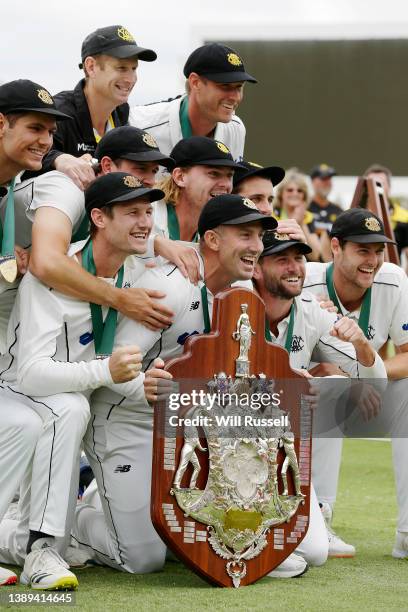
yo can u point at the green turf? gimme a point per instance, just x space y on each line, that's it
365 516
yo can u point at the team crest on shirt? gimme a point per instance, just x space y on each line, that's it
297 344
149 140
132 181
370 332
281 236
124 34
234 59
372 224
222 147
45 96
249 204
405 327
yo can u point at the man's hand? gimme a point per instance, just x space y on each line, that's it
184 257
368 402
142 305
348 330
326 369
78 169
292 228
22 259
125 363
326 303
157 382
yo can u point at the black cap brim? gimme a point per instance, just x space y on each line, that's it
211 162
274 173
367 239
277 248
125 51
268 222
153 195
323 175
45 111
229 77
153 156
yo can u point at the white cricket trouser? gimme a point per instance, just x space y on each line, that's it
118 444
314 547
48 485
392 421
20 429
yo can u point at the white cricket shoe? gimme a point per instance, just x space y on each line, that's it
338 548
45 569
292 567
400 550
7 577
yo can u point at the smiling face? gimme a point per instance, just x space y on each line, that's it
111 77
239 247
128 226
283 274
259 190
216 101
358 263
201 183
26 139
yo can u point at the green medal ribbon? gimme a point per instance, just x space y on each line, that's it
173 224
364 318
206 312
103 332
185 124
82 232
289 336
7 235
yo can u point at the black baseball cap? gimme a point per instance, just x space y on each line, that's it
275 243
127 142
359 225
229 209
23 95
274 173
322 171
115 41
200 150
217 63
117 187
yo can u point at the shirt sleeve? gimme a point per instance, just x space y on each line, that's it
399 325
56 190
41 322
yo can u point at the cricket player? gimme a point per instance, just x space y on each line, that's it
118 442
98 103
27 123
374 294
214 89
60 349
295 321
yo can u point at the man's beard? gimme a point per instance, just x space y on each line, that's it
278 290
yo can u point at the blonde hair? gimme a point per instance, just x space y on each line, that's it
170 188
299 179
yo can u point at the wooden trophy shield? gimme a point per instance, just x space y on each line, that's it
231 475
370 194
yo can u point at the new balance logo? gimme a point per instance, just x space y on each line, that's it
123 468
194 305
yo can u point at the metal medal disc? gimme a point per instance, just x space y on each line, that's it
8 268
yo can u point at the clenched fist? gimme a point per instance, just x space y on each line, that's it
125 363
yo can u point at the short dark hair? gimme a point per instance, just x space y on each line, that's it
108 211
13 117
377 168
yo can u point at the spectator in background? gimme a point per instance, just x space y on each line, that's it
324 212
398 214
292 199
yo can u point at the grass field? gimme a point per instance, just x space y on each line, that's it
365 516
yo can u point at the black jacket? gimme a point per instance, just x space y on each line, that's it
76 136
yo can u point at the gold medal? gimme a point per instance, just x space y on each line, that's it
8 268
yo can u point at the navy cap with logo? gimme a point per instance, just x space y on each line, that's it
217 63
116 188
23 95
200 150
229 209
115 41
359 225
276 243
322 171
274 173
128 142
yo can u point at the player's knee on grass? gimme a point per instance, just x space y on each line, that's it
145 558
